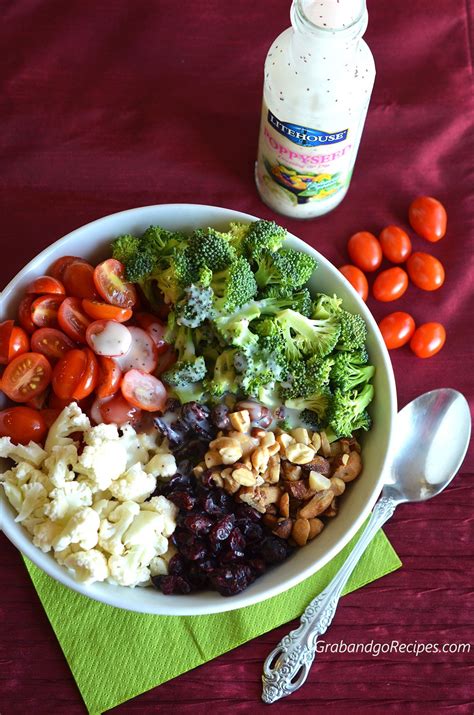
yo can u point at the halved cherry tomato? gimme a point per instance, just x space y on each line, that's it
425 271
50 415
26 376
46 284
22 425
428 339
155 327
72 319
51 342
165 361
38 402
109 338
57 269
89 378
109 279
115 409
428 218
365 251
397 329
104 311
68 373
24 313
13 341
44 311
143 390
390 284
58 403
142 355
395 243
110 377
78 278
357 279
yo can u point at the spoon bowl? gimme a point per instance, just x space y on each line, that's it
433 432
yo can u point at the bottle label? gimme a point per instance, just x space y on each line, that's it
307 164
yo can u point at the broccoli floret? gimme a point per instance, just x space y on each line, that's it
207 248
317 403
234 286
306 378
263 236
311 337
350 370
224 378
195 307
311 420
353 331
234 329
326 306
185 372
125 247
173 275
236 236
287 267
348 410
160 241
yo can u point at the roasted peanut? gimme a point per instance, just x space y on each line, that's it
240 420
247 443
317 482
273 449
315 527
349 471
244 477
260 459
317 504
291 472
283 528
300 531
270 520
252 497
229 449
284 505
300 434
299 490
299 453
316 441
270 494
319 464
212 459
284 440
325 446
332 509
337 486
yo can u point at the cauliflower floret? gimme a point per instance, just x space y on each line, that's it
68 499
158 566
131 568
13 493
60 464
103 504
151 442
61 556
134 485
72 419
34 497
136 452
32 452
23 473
147 528
162 465
45 533
87 566
104 458
167 509
82 528
114 527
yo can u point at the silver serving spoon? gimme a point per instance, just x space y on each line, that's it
432 433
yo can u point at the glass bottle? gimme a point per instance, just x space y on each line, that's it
318 79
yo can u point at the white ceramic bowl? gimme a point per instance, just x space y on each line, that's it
93 242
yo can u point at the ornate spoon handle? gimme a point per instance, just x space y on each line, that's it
287 666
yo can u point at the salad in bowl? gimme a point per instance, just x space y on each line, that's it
188 410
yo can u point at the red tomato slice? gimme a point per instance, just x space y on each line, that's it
6 330
155 327
89 378
110 377
72 320
109 338
109 278
142 355
143 390
68 373
60 264
51 343
19 343
50 415
104 311
115 410
24 313
46 284
78 278
22 425
26 376
44 311
39 401
165 361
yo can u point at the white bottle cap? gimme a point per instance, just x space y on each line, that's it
333 14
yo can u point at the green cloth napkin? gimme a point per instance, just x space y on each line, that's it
115 655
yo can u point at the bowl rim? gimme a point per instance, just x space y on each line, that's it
21 539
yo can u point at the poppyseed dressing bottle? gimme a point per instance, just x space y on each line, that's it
319 75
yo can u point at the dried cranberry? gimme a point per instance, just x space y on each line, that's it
198 418
244 511
227 556
171 584
258 566
198 523
274 550
231 579
217 502
176 566
195 550
196 576
222 530
175 432
236 541
183 500
207 565
252 532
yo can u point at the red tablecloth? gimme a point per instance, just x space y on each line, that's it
113 104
